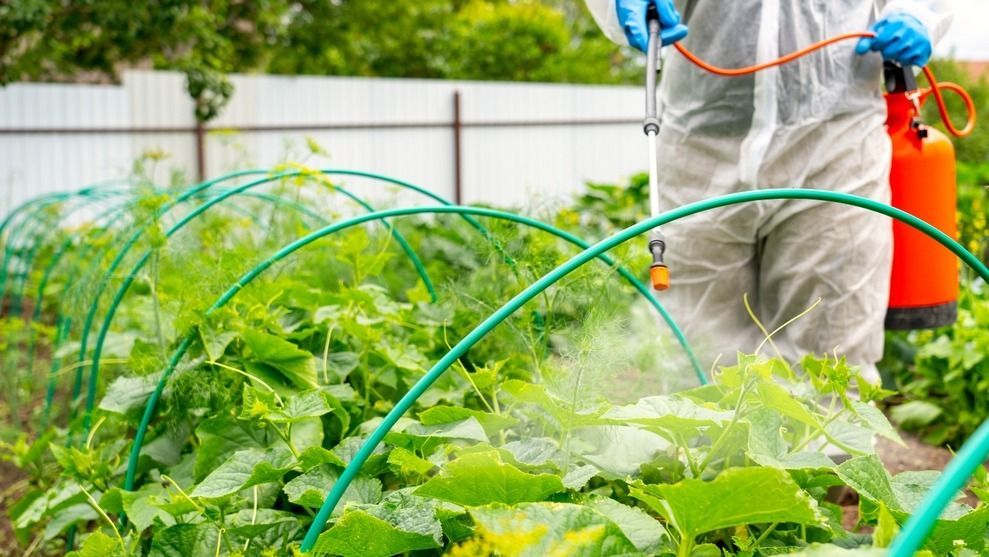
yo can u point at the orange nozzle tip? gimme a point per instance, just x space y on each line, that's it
660 276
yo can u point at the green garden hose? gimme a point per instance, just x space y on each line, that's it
49 229
32 226
287 250
34 221
402 406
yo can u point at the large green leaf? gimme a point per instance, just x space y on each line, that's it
64 494
855 439
618 451
296 366
644 531
264 522
902 494
869 478
969 529
541 529
310 404
311 488
911 487
127 393
409 513
222 436
360 534
244 469
779 399
468 429
215 342
735 497
534 451
876 421
406 463
669 414
141 506
767 447
482 478
186 540
492 423
99 544
339 365
59 520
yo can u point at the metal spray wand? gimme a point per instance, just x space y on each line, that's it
659 273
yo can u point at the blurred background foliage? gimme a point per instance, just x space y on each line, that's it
93 40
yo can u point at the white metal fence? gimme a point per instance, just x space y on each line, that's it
510 143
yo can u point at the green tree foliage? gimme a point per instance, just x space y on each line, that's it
92 40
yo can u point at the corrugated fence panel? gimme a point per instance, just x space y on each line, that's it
522 144
32 165
160 100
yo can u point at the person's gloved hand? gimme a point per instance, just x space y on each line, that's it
901 38
632 15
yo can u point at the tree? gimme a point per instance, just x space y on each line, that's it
92 40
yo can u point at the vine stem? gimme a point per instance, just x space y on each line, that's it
724 433
765 534
182 491
98 509
686 546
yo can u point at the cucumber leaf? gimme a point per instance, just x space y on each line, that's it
360 534
482 478
244 469
694 507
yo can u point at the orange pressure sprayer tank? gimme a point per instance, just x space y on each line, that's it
924 285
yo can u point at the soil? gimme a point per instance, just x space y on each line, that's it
915 456
10 478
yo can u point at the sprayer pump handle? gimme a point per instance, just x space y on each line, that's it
898 79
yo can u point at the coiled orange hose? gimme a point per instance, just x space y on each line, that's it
935 87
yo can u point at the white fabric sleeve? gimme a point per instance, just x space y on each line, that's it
936 15
605 13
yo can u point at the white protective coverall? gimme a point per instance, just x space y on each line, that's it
817 122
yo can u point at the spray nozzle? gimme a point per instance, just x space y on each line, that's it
659 273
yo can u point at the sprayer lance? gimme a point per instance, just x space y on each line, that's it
659 274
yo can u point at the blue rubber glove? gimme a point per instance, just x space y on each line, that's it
632 16
901 38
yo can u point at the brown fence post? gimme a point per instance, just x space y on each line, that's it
200 133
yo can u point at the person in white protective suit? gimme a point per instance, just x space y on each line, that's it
817 122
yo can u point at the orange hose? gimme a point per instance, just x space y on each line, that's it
943 109
935 86
735 72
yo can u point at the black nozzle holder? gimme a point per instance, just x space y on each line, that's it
898 78
657 247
